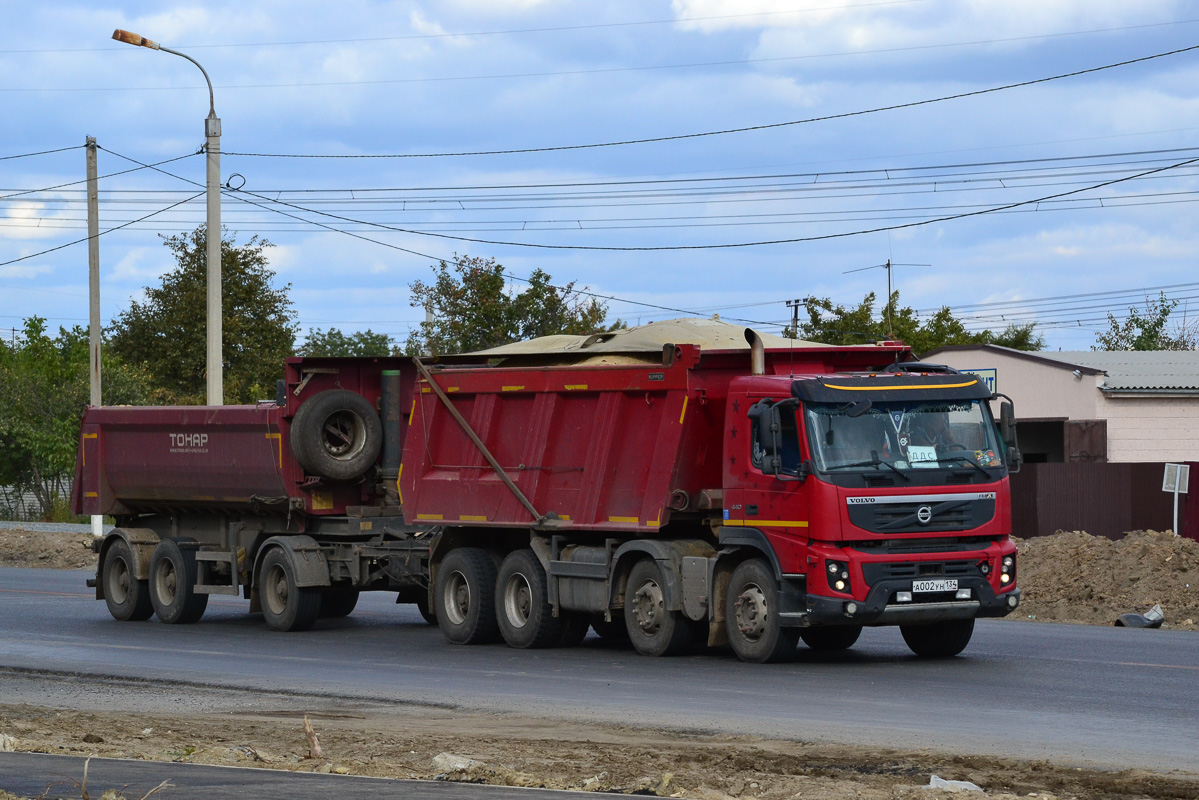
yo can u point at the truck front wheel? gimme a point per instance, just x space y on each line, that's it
127 598
653 630
523 611
465 592
751 611
940 639
286 606
173 583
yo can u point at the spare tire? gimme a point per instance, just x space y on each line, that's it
336 434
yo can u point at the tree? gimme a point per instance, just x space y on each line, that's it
43 390
837 324
1147 330
166 334
336 343
474 310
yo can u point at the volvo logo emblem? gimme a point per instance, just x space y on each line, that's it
924 514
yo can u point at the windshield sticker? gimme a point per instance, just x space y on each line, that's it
986 458
922 456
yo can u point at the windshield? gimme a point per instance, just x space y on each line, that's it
904 435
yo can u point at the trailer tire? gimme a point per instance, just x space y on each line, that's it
840 637
127 598
751 611
465 593
653 629
940 639
286 606
522 606
173 583
336 434
338 602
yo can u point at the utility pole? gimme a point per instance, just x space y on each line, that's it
794 305
93 283
212 148
887 266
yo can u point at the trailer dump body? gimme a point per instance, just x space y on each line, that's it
659 484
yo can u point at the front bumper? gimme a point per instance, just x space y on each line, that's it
879 609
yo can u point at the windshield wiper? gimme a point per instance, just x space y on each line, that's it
966 460
876 462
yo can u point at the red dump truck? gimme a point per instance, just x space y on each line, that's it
673 494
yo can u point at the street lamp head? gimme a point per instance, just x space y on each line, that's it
135 39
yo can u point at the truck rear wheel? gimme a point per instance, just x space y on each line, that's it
940 639
841 637
286 606
336 434
127 598
465 593
173 583
751 612
653 630
522 605
338 602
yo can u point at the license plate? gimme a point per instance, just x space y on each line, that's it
935 586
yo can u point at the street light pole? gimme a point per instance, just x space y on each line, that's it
212 148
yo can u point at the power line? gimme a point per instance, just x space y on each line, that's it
109 175
768 126
553 29
86 238
43 152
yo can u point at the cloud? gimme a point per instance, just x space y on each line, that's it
23 271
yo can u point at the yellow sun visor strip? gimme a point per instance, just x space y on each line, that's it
895 388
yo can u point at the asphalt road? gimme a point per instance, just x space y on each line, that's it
1115 697
37 775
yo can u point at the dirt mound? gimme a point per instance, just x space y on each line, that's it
1076 577
52 550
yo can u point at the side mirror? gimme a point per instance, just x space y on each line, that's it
1007 430
764 416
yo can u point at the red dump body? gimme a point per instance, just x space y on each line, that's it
135 459
603 448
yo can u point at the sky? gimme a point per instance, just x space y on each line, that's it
797 145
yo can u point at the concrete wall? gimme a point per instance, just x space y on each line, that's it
1151 429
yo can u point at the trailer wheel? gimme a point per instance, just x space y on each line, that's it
940 639
522 605
338 602
751 610
336 434
841 637
286 606
127 598
173 583
653 630
465 592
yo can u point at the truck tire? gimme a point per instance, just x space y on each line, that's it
173 583
338 602
465 593
840 637
751 614
653 630
522 605
127 598
336 434
425 607
940 639
286 606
